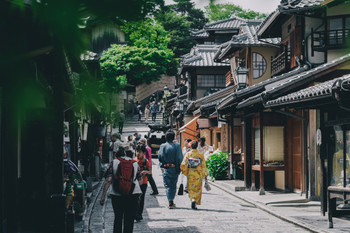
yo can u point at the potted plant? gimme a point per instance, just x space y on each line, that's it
218 165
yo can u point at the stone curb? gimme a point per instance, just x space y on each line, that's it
88 211
270 211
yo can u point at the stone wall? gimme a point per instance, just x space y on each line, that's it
145 90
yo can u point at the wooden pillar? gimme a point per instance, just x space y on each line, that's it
324 156
262 189
246 148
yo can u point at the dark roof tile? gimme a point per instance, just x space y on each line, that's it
201 56
318 91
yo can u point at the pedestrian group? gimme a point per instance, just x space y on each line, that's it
131 170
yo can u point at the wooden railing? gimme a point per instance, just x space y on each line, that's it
280 63
329 39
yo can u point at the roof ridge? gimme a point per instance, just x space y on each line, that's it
223 21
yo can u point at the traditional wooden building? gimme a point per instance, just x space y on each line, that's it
313 33
220 31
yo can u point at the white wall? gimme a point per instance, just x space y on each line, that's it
313 23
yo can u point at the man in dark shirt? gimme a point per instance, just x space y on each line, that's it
154 109
170 158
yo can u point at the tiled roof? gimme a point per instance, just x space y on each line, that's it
201 56
232 23
89 56
300 78
248 37
200 34
267 21
257 88
299 4
214 97
274 89
318 91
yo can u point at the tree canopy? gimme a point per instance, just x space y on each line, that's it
179 20
146 34
215 12
139 65
146 57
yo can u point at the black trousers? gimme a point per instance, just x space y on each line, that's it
121 124
141 201
124 208
154 116
152 183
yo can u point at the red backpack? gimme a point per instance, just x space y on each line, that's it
124 178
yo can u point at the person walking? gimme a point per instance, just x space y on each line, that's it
147 112
137 137
124 206
111 147
203 147
117 143
148 155
170 158
121 121
154 111
186 149
130 143
146 169
139 111
194 167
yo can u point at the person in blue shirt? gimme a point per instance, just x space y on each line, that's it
170 158
154 110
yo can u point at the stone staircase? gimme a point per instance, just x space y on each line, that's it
133 120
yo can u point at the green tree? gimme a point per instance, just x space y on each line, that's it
193 15
179 31
179 20
147 33
216 12
139 65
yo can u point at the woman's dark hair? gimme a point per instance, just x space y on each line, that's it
188 140
129 153
120 152
170 136
194 144
130 137
141 147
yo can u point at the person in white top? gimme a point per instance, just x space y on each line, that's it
124 206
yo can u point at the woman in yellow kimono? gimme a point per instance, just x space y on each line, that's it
194 167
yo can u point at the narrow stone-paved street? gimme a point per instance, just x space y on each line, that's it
219 212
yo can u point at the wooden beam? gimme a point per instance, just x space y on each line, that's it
262 184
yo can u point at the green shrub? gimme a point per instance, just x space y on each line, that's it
217 165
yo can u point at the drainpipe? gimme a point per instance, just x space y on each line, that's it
306 40
306 160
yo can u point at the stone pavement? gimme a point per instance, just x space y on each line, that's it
291 207
220 212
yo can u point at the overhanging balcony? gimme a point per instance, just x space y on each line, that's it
330 39
280 63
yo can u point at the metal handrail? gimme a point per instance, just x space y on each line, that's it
329 38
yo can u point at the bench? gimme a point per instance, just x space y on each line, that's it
335 192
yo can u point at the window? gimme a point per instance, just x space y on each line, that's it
274 143
211 80
338 30
257 145
259 65
338 160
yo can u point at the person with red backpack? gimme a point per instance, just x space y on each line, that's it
146 169
125 177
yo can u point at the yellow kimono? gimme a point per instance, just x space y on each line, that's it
194 175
